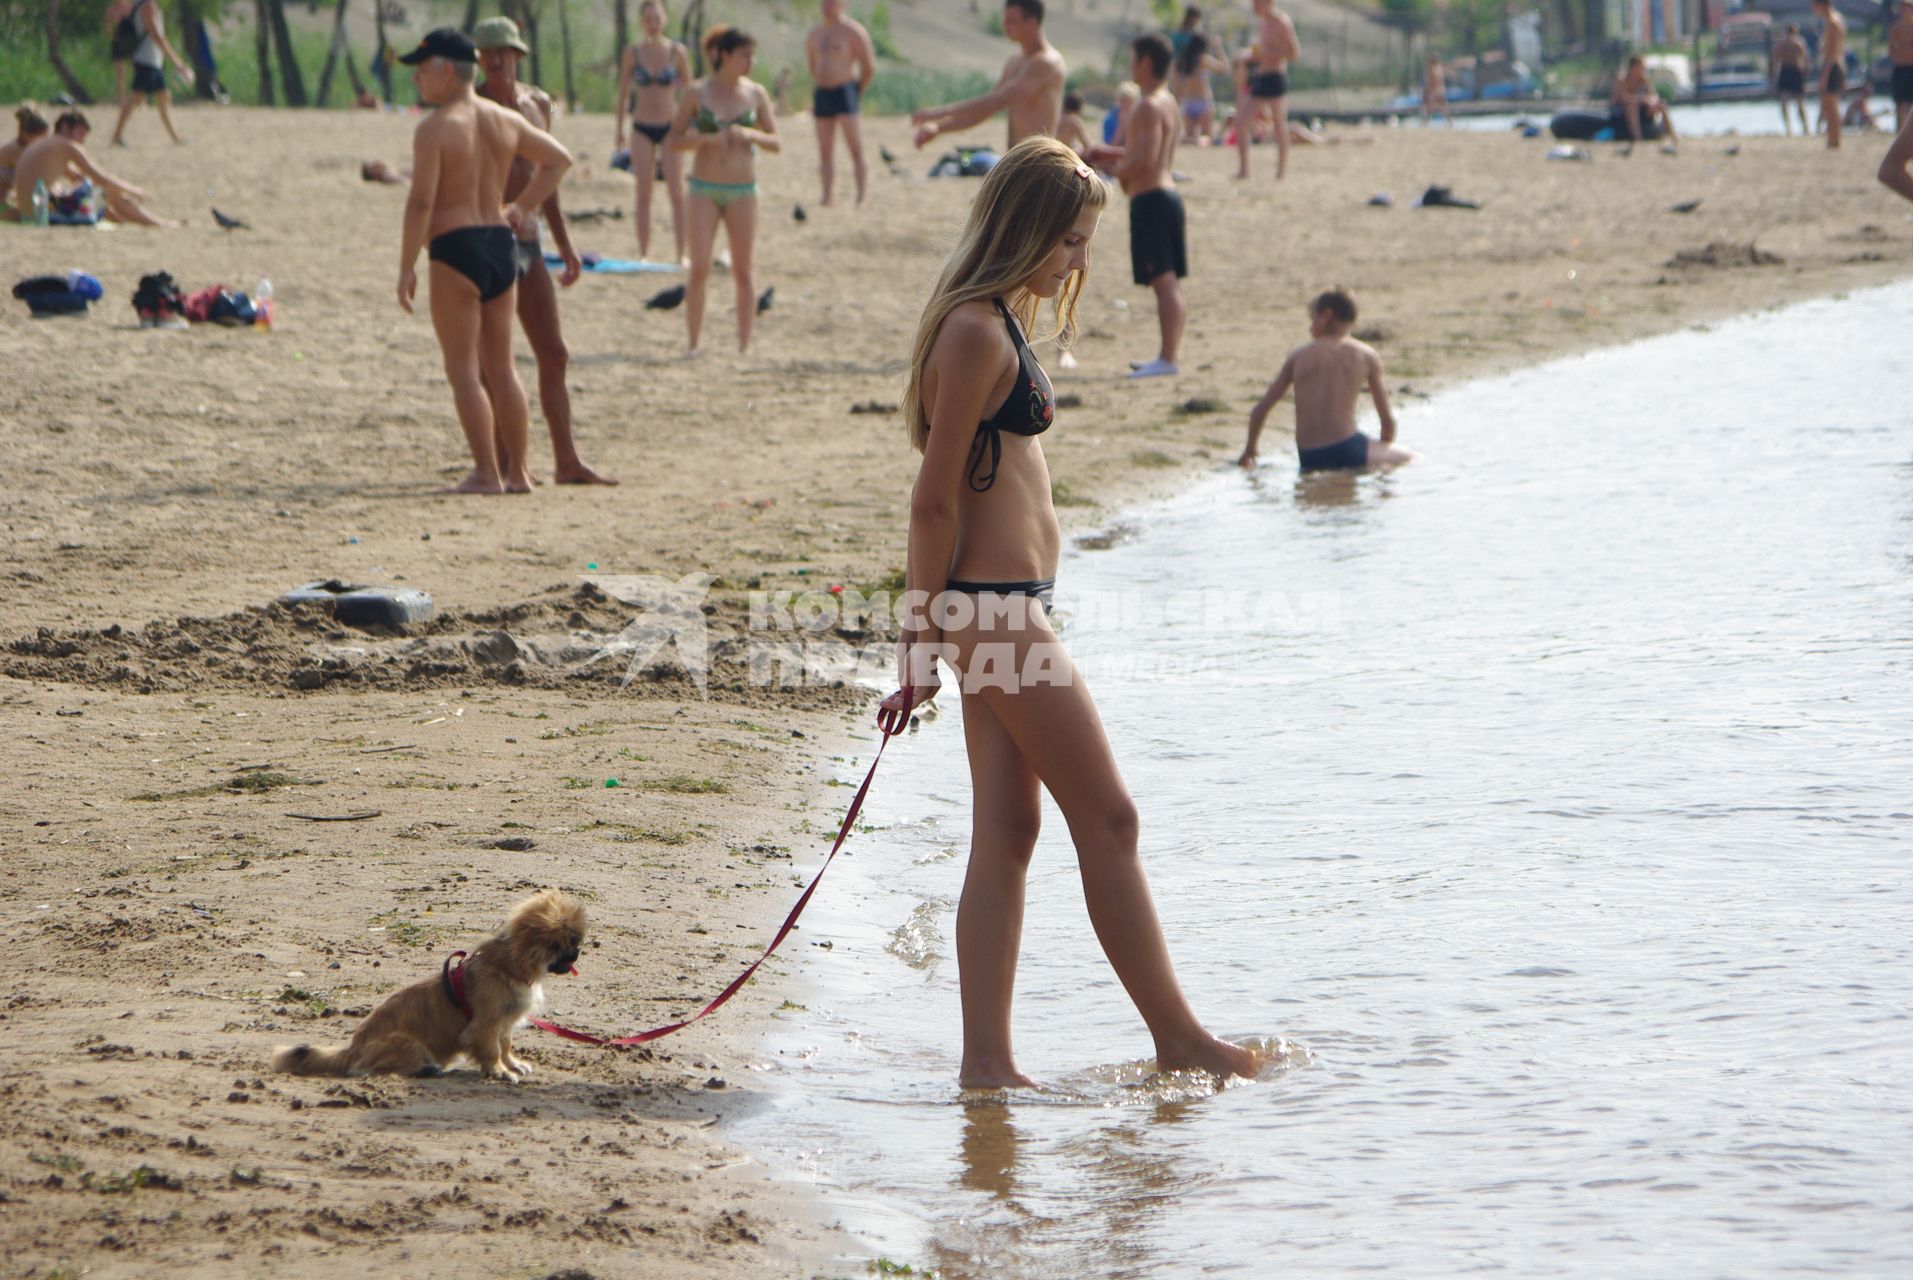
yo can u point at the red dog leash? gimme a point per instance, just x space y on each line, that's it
891 723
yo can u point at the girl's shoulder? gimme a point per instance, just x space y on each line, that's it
974 327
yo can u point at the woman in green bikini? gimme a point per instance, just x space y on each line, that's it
724 120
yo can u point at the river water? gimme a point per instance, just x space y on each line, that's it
1693 119
1551 800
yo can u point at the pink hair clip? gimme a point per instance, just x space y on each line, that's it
1083 172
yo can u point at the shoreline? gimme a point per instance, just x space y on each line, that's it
132 505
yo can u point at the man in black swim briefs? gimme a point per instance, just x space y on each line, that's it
1275 47
842 63
461 155
1789 62
1158 253
1899 48
1833 68
500 50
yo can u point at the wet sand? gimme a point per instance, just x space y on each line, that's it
167 922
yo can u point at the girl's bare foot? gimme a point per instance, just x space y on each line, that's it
476 482
1004 1077
1216 1056
579 473
520 482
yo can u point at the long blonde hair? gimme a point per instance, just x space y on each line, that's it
1027 204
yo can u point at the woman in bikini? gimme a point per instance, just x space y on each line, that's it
983 548
724 119
656 69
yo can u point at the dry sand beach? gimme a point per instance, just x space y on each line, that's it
167 920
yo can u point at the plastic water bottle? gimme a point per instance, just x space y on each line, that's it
40 203
262 302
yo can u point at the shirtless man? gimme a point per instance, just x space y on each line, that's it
1158 256
1833 68
1328 375
1275 47
1899 47
461 154
499 51
1030 89
1434 93
1639 103
60 161
1790 78
842 64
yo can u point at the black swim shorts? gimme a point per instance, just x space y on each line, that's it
1903 84
838 101
1790 80
148 79
1156 241
1269 84
1836 79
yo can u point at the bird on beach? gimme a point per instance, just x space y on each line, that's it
764 300
666 299
889 157
229 224
1685 206
799 215
1734 150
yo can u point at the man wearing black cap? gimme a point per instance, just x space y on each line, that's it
460 156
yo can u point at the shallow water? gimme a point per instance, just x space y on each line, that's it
1697 120
1551 797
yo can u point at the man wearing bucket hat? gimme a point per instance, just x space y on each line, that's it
461 154
499 51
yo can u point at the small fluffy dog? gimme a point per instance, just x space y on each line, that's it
424 1029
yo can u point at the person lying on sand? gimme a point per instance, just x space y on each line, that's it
461 154
70 175
1328 375
379 171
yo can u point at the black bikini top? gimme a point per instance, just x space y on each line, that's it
1027 410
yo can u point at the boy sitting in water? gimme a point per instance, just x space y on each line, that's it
1328 374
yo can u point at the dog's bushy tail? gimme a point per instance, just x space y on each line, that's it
304 1060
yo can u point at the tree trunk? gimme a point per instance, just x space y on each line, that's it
691 32
382 59
289 77
621 29
528 24
332 55
262 48
352 70
72 82
471 17
564 40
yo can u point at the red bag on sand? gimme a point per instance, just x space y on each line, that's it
199 304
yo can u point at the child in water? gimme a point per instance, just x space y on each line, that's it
1328 375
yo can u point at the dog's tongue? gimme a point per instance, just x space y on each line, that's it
574 970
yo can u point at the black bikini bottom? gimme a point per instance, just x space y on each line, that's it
1042 589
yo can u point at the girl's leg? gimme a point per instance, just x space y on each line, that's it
740 224
989 926
644 169
674 188
703 218
1055 728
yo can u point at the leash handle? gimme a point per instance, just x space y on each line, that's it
891 723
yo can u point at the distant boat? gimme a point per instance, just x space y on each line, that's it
1731 77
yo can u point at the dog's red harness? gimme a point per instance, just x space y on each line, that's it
452 978
891 723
